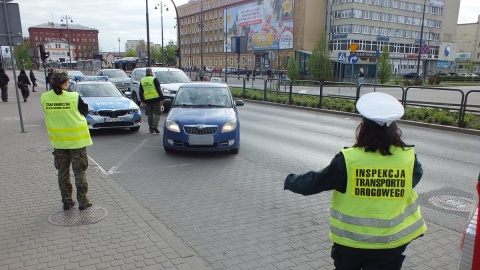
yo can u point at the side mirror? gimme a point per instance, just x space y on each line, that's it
239 103
167 102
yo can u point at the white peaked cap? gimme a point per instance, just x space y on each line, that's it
380 107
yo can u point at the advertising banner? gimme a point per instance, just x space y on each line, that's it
268 24
447 51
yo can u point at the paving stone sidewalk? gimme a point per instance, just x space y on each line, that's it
129 237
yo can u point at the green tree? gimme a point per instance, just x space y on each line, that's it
319 64
170 53
384 66
470 66
292 69
22 59
131 53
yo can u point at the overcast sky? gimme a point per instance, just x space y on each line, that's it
126 19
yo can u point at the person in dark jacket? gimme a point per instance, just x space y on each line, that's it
151 94
23 83
4 79
48 79
33 80
375 211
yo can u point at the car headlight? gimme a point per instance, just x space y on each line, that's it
167 91
229 126
92 111
134 110
172 126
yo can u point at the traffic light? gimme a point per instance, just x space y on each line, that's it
177 52
44 55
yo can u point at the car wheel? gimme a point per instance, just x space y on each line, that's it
135 129
135 98
235 150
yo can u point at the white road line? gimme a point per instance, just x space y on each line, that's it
120 163
98 165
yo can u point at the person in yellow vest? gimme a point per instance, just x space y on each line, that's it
69 136
152 96
374 213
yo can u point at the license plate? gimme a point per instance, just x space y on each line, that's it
200 140
118 119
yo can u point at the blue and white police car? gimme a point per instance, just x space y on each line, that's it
107 105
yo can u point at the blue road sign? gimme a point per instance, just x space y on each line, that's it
352 58
425 48
342 56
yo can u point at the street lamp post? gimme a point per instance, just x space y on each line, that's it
179 53
68 18
148 34
161 18
118 47
421 37
201 41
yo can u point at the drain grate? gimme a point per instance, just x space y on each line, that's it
450 202
75 217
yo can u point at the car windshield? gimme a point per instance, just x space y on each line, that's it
171 76
115 73
98 90
218 97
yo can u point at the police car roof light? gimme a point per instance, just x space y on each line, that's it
90 78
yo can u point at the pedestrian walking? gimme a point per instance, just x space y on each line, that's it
361 75
4 79
33 80
248 75
374 212
48 78
23 83
254 73
69 136
152 96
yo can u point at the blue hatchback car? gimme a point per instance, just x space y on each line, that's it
203 117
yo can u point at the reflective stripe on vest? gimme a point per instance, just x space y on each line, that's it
379 208
67 128
149 90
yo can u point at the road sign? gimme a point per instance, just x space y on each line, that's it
342 56
425 48
352 58
353 47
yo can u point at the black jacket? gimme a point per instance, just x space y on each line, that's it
4 79
23 80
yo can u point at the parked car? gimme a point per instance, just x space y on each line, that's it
473 75
107 105
170 79
119 78
411 75
72 74
453 74
209 69
470 247
216 70
463 74
230 70
203 117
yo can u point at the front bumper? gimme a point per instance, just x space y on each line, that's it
217 142
125 121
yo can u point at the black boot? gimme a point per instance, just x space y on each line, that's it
84 206
67 206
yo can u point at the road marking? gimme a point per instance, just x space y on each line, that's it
120 163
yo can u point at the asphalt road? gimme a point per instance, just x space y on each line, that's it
232 208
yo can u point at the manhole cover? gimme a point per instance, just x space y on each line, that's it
75 217
450 202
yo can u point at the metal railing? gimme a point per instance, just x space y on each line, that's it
352 91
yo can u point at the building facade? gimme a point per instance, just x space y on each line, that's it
65 42
273 30
467 38
373 24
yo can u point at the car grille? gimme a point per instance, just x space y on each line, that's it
112 124
200 130
201 146
112 113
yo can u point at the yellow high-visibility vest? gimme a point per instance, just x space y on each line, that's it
379 209
149 90
67 128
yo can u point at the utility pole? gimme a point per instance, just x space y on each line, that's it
68 18
421 37
148 36
201 41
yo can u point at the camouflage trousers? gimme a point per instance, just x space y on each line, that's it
77 158
153 112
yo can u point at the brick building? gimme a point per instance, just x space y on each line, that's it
59 39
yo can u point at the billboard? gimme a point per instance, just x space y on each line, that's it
447 51
268 24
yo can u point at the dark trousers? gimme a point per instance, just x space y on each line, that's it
25 92
347 258
4 92
153 112
77 158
